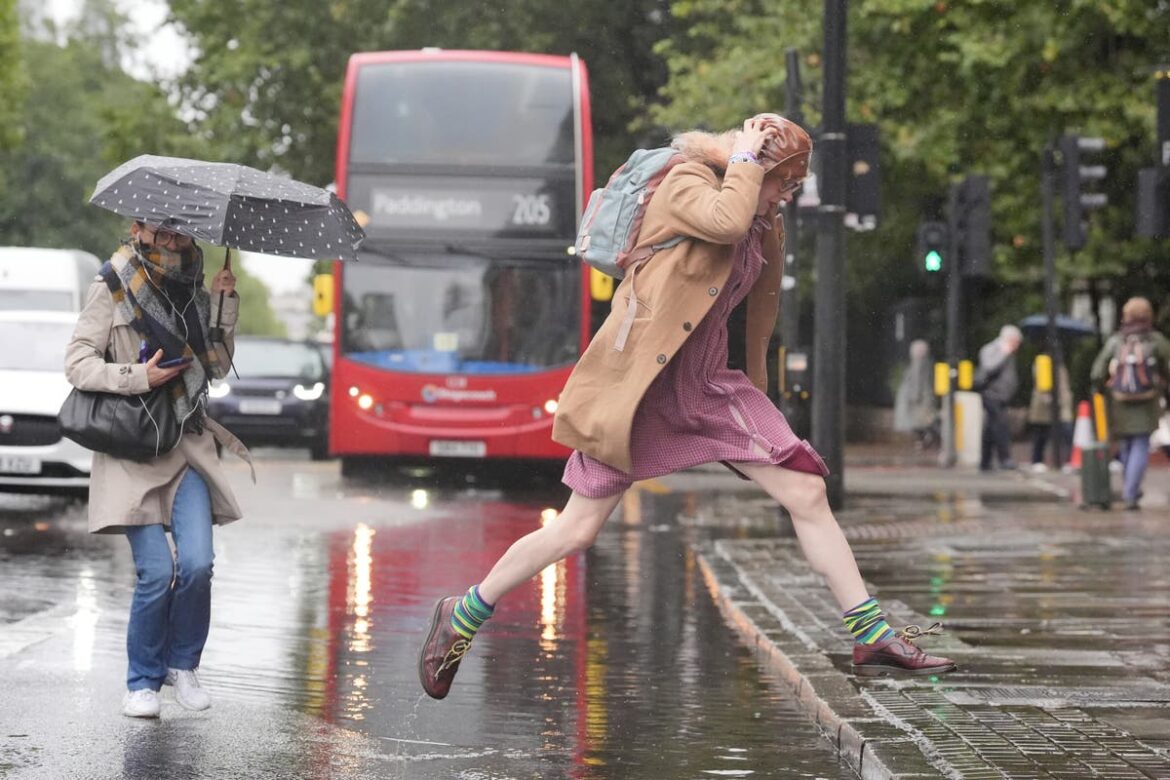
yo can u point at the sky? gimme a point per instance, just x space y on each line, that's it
165 55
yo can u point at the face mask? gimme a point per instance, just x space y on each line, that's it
167 258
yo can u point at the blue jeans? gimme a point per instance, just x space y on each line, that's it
1135 454
171 610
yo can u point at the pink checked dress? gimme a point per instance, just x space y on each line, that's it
700 411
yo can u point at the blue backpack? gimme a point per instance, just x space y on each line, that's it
613 217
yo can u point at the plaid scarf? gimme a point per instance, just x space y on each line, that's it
162 295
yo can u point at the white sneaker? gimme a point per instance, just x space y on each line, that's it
142 703
188 692
1039 468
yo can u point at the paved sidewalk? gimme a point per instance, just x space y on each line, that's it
1059 620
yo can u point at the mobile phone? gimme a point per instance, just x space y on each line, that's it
179 361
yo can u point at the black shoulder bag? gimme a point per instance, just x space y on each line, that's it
134 427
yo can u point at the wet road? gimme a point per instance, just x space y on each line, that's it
614 664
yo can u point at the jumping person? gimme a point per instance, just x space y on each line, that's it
656 396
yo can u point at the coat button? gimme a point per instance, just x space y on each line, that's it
661 360
712 291
687 327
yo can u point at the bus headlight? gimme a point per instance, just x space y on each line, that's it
365 401
550 406
309 393
219 389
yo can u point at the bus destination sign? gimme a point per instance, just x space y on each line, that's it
478 206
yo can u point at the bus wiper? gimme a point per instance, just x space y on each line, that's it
459 249
381 251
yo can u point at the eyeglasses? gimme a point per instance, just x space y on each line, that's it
164 236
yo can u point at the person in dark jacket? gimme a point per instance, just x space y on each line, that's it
997 382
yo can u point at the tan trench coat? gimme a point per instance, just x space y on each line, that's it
675 289
124 492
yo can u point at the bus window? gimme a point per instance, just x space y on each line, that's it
452 113
476 317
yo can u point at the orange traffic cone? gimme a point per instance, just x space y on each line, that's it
1082 433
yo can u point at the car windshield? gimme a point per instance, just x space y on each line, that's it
34 346
465 314
278 359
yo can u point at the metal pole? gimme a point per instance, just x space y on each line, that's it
828 403
1048 173
1162 98
954 315
790 298
789 323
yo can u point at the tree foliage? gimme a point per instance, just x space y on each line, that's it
266 82
13 84
85 116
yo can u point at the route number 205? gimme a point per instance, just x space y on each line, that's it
531 210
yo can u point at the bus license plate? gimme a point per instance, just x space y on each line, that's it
259 406
458 449
19 464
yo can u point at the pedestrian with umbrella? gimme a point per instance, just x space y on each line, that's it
149 327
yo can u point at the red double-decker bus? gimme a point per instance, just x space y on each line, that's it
457 327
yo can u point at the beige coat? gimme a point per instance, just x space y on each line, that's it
675 289
124 492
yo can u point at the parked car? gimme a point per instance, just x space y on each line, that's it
34 457
33 279
280 398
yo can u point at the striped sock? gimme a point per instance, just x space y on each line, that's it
470 613
867 623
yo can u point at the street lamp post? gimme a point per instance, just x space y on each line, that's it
828 402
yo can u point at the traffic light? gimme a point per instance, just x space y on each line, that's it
1074 175
1153 204
974 216
932 246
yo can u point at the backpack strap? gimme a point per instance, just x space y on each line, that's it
619 343
638 257
645 253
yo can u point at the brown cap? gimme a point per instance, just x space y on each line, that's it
787 153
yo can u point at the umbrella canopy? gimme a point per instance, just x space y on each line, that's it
1037 325
231 205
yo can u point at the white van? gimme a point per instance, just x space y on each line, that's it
45 279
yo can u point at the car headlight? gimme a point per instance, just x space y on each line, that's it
219 389
309 393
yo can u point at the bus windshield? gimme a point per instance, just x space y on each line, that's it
455 313
462 113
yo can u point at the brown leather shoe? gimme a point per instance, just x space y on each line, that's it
442 651
899 655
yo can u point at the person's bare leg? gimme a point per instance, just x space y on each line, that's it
821 540
574 529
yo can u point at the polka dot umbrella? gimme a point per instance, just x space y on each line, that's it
231 205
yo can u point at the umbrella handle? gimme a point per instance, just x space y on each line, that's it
217 331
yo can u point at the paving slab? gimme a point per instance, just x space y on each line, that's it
1059 620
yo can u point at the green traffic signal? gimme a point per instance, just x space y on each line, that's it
932 243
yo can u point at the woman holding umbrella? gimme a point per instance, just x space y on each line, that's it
145 324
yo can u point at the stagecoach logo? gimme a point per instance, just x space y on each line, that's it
431 394
6 423
439 209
